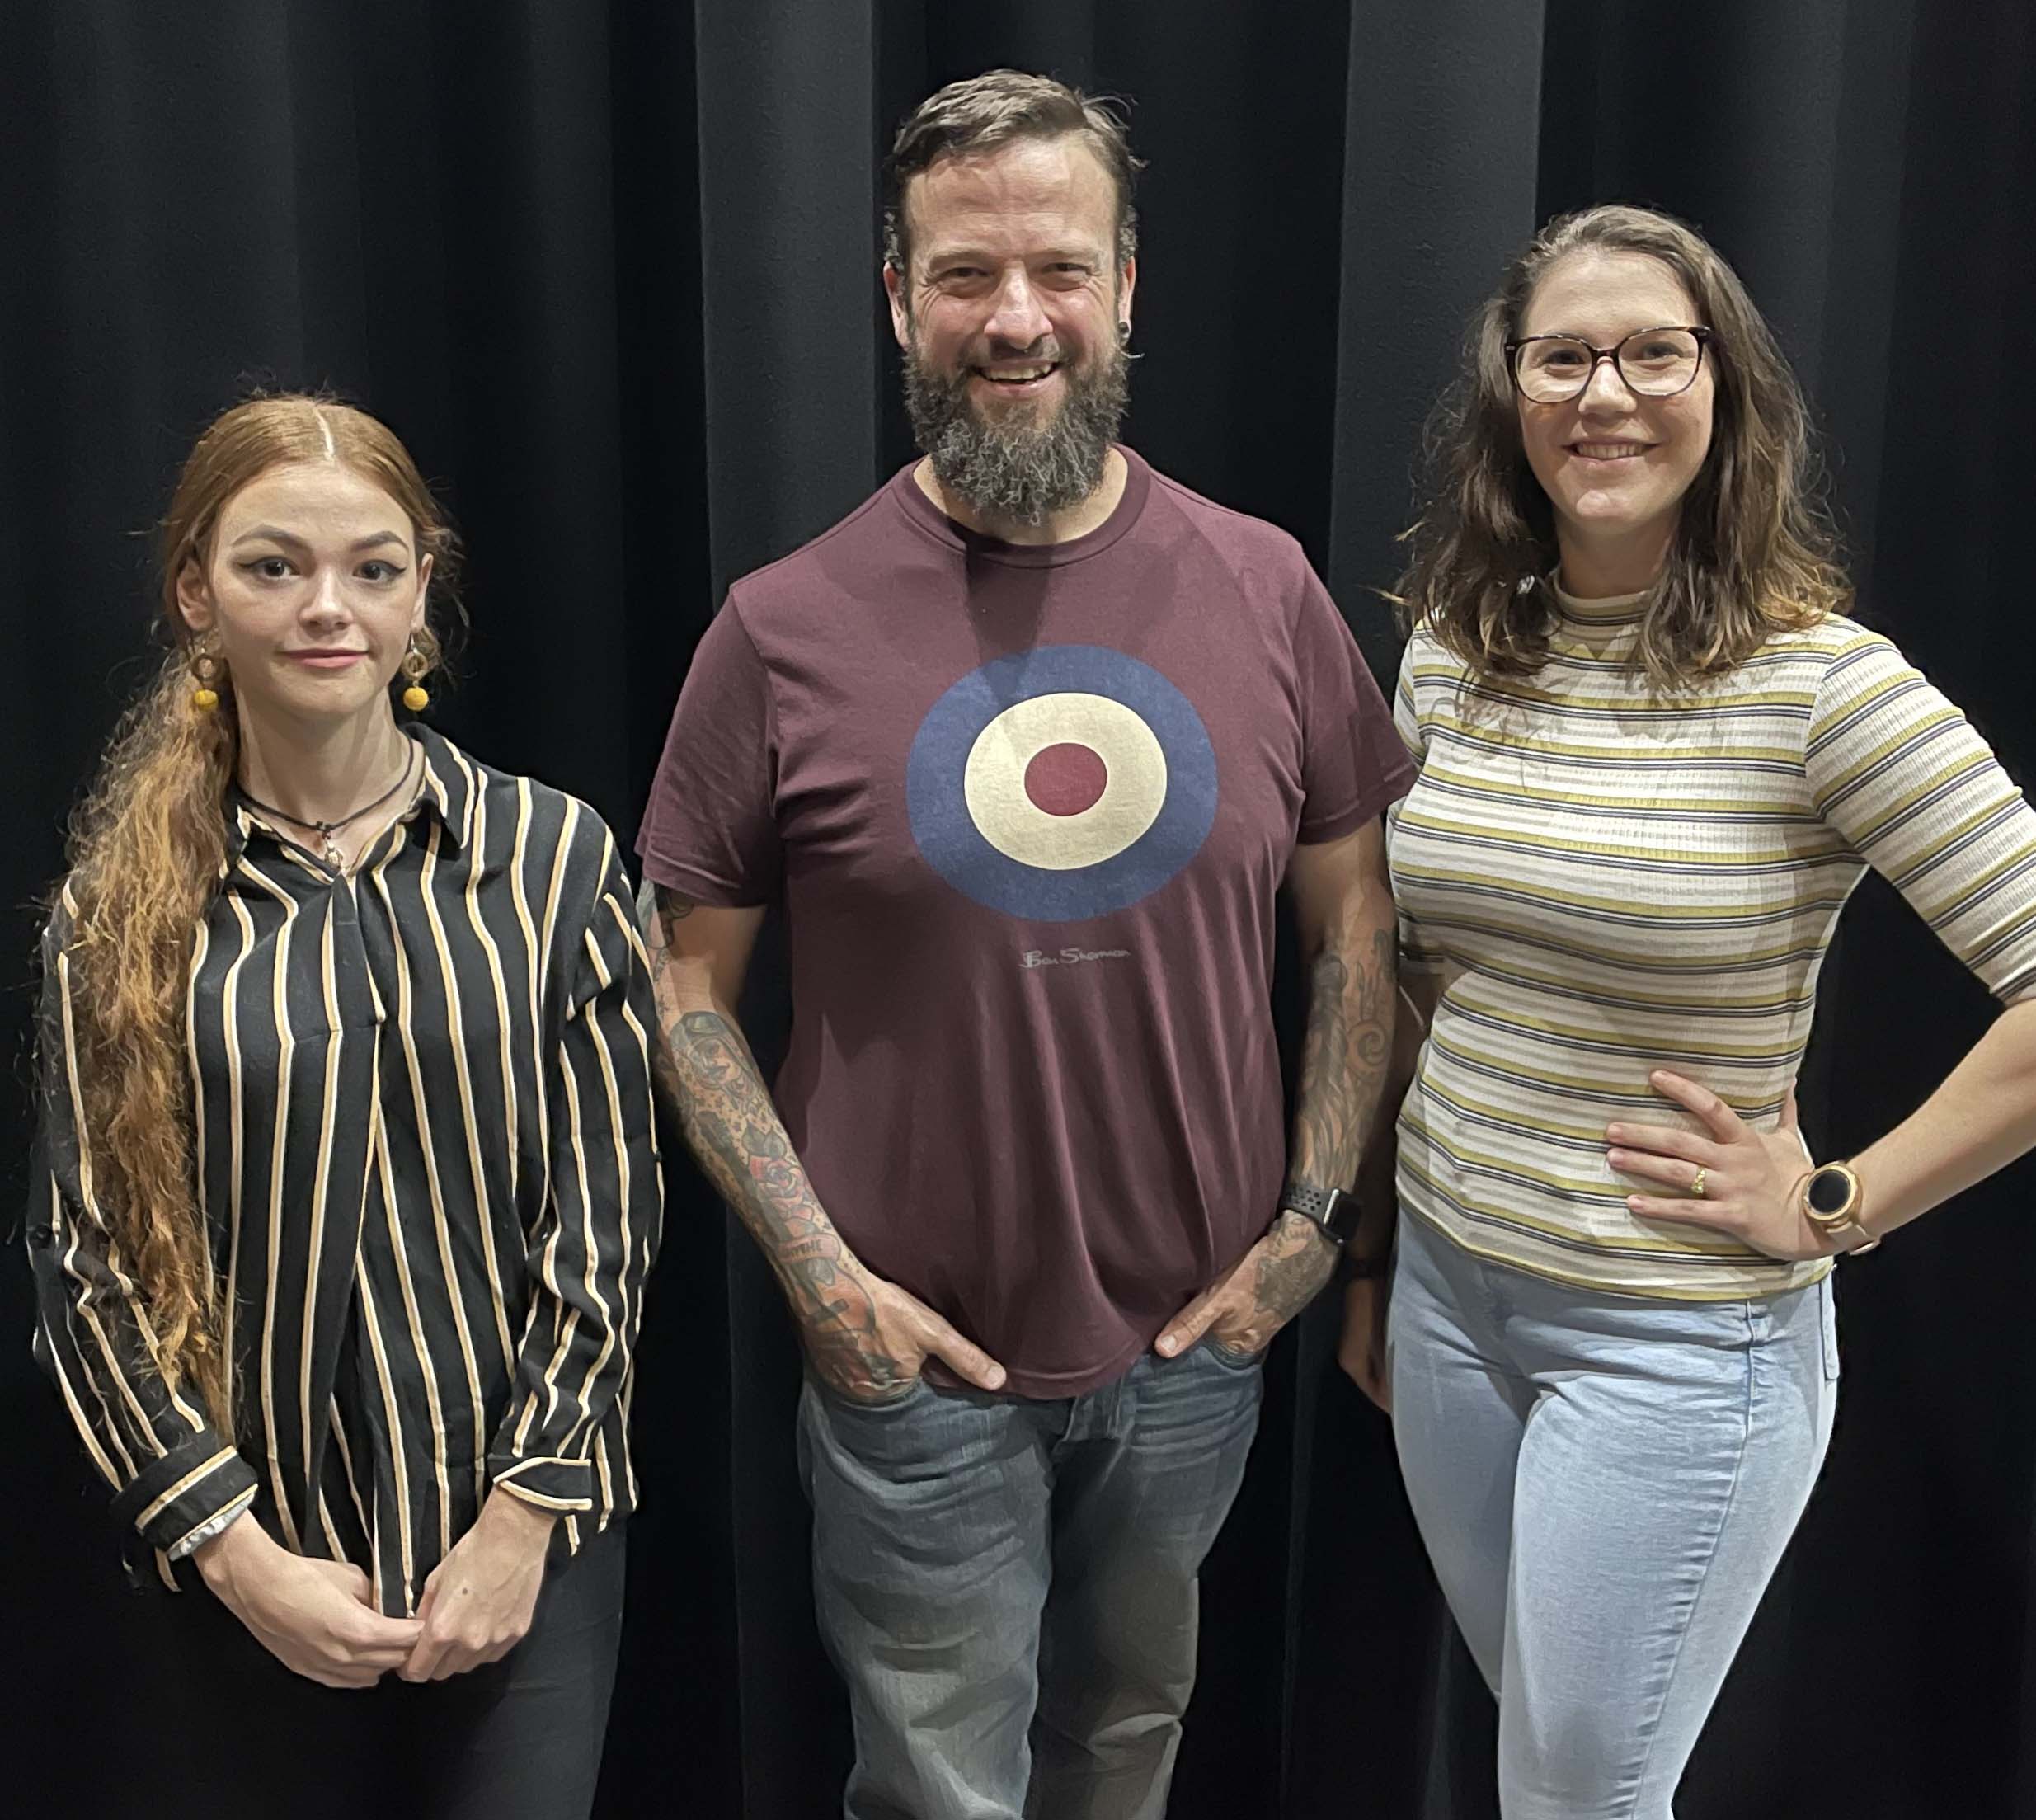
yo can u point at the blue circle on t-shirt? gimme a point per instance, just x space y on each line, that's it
1061 784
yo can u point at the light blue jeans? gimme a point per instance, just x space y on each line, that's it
1605 1484
1009 1585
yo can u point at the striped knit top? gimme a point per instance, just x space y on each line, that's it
426 1158
1607 882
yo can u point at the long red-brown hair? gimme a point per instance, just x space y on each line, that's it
146 850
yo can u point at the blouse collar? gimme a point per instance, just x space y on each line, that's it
448 791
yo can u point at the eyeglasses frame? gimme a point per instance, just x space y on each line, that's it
1601 354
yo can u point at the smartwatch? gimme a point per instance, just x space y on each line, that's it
1331 1209
1831 1199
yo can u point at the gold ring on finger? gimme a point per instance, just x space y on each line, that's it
1696 1184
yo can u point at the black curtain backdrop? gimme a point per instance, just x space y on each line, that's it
610 269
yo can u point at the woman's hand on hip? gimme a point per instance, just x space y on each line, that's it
478 1600
317 1617
1739 1182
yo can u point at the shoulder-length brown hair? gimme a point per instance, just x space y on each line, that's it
147 847
1754 552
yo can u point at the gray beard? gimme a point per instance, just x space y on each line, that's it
1023 471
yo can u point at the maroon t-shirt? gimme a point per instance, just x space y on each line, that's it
1028 809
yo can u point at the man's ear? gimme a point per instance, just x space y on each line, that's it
1127 282
900 304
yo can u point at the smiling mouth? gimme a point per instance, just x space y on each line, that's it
1610 451
1017 378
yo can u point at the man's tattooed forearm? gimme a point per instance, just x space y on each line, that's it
1344 1060
733 1128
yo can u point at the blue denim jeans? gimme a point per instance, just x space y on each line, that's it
1009 1585
1605 1484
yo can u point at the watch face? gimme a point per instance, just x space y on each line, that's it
1829 1192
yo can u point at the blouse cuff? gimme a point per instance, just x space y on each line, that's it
212 1526
193 1484
550 1483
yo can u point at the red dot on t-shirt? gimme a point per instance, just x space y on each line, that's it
1065 779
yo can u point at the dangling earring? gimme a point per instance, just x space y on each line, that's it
416 666
204 670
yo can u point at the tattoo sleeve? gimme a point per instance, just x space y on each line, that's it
733 1129
1346 1057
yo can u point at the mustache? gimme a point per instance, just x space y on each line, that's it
1010 350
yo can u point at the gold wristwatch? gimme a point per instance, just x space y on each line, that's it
1832 1198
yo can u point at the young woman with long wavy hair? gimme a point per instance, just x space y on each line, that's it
1656 757
347 1184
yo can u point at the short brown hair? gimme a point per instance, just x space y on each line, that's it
992 110
1754 551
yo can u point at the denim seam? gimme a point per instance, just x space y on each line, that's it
1696 1598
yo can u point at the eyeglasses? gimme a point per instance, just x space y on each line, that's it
1655 363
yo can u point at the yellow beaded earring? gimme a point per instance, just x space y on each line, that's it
204 670
416 666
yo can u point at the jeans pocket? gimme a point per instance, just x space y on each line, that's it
875 1406
1230 1359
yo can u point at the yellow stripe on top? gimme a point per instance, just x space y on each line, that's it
1609 880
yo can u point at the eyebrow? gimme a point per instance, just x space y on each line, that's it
947 254
374 541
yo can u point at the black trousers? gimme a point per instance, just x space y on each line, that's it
239 1735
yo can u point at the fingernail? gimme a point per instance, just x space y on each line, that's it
996 1379
1168 1344
1615 1132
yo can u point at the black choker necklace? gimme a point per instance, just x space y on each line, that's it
326 829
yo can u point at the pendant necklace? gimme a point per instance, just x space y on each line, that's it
326 829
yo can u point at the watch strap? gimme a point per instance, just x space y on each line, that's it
1332 1209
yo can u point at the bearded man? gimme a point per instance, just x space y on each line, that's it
1026 746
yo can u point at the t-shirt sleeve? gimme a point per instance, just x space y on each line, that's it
1353 762
1899 772
710 830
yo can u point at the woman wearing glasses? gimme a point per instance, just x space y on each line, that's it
347 1183
1655 760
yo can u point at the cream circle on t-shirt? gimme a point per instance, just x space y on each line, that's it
1030 769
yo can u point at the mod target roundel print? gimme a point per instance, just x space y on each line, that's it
1061 783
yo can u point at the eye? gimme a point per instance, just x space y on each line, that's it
268 568
375 570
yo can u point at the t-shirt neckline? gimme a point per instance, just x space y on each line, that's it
928 517
1600 612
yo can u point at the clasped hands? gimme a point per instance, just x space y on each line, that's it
318 1618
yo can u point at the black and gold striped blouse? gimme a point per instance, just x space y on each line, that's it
426 1159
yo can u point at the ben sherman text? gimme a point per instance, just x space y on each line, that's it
1071 956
